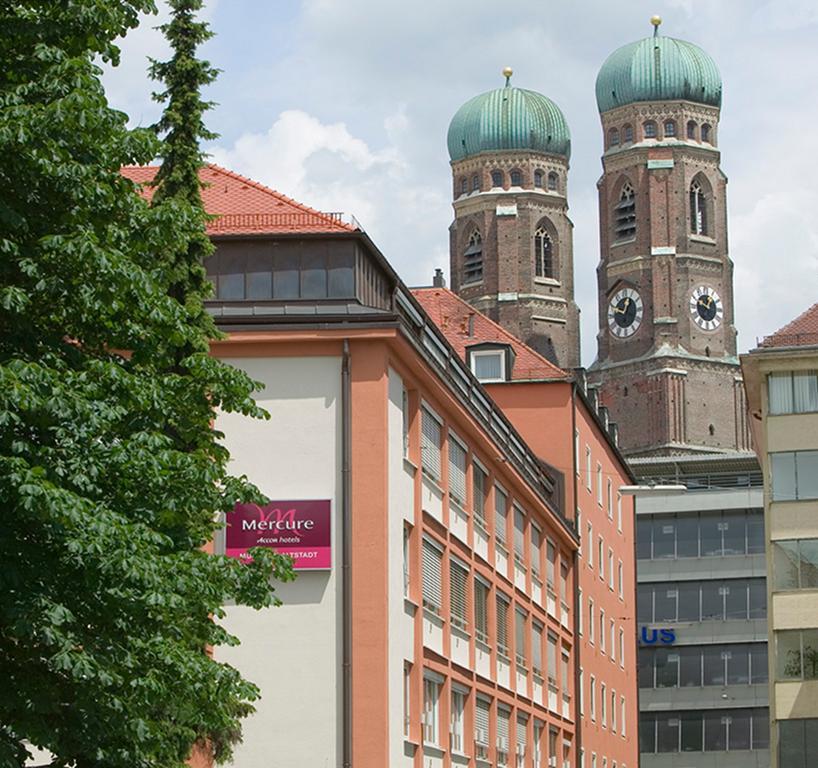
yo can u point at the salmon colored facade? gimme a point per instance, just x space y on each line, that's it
556 417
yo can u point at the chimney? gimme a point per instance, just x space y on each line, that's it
438 281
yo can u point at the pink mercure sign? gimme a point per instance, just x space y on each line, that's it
300 529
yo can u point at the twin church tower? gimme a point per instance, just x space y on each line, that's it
666 365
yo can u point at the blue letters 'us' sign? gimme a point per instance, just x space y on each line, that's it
653 636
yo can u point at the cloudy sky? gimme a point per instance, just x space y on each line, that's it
344 105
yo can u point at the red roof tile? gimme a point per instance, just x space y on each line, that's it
244 206
801 332
463 326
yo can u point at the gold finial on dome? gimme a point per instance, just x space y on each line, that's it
656 21
507 73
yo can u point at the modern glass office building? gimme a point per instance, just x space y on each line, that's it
702 614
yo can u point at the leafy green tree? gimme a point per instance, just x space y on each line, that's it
111 475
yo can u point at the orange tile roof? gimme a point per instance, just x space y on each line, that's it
801 332
246 207
463 326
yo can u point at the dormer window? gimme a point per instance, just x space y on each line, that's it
489 362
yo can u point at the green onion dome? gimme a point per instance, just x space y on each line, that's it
507 119
658 69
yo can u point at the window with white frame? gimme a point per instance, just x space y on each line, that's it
405 414
457 470
519 536
793 392
503 717
601 557
602 630
537 744
581 691
481 600
592 698
407 698
430 444
500 516
610 500
553 736
431 709
590 545
610 569
599 484
488 364
550 564
622 648
564 584
536 648
502 606
457 719
794 475
520 619
479 485
593 760
565 672
432 562
482 712
566 753
620 587
588 471
406 560
603 704
622 711
522 740
618 511
576 451
579 531
613 711
581 612
591 621
612 647
458 593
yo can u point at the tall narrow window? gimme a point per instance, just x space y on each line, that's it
706 133
538 179
430 445
536 550
519 536
691 129
627 134
458 594
432 564
475 183
550 566
496 179
464 186
536 648
613 137
625 214
431 711
479 496
457 718
502 624
457 471
481 617
516 178
481 728
553 182
503 717
649 129
406 560
698 210
520 619
407 697
670 129
473 259
500 516
543 253
522 740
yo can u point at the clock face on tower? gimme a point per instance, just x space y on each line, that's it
706 308
625 313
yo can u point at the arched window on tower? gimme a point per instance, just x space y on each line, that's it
627 134
613 137
475 183
516 178
670 129
473 259
691 129
553 182
625 214
649 129
538 179
706 132
698 209
544 262
496 178
464 186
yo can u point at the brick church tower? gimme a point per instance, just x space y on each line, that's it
666 366
511 252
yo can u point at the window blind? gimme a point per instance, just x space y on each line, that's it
564 583
536 549
502 624
536 648
500 515
458 594
519 532
479 494
522 734
430 444
519 635
481 722
551 556
552 658
481 624
457 470
432 561
503 717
